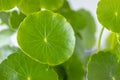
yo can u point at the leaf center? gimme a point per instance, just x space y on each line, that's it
28 78
113 78
45 40
116 13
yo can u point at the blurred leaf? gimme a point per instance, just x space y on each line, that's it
111 41
104 65
74 69
75 18
51 4
20 67
5 51
88 33
4 16
15 19
5 36
71 69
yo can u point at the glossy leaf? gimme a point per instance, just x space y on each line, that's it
51 4
108 14
29 6
15 19
5 37
8 4
47 37
104 66
20 67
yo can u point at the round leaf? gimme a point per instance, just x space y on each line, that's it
20 67
104 66
46 37
108 13
51 5
8 4
29 6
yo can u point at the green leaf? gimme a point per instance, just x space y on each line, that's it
15 19
51 5
20 67
29 6
5 37
4 18
104 66
5 51
74 69
8 4
77 21
46 37
108 14
88 33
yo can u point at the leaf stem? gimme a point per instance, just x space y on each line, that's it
113 40
100 37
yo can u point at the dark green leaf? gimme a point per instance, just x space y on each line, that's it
20 67
88 33
104 66
47 37
15 19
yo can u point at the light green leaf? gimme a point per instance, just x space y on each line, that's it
51 4
104 66
47 37
20 67
108 13
15 19
29 6
8 4
5 37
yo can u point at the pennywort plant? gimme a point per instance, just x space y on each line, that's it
56 42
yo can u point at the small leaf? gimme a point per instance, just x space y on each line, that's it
20 67
15 19
104 66
8 4
108 13
29 6
47 37
74 69
51 5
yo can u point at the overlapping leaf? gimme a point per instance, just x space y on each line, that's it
20 67
104 66
47 37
